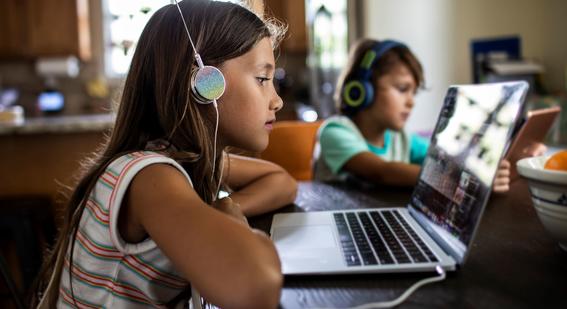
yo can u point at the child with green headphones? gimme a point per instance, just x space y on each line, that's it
375 96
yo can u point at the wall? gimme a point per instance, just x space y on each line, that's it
440 31
425 26
555 52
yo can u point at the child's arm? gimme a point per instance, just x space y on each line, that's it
260 186
372 168
231 265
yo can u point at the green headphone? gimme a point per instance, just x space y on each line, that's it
358 90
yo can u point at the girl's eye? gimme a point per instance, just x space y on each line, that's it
261 80
403 88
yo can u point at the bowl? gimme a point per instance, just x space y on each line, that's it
548 189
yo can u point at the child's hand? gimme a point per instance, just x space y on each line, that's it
231 208
533 150
502 179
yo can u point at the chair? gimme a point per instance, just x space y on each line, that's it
291 147
27 223
10 284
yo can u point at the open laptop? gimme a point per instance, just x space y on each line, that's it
439 222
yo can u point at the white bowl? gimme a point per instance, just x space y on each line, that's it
548 189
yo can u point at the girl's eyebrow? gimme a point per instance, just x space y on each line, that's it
267 66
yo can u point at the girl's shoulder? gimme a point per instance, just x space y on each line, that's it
130 158
128 165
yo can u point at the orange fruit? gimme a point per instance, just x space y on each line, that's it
558 161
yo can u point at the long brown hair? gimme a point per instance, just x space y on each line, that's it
155 96
380 67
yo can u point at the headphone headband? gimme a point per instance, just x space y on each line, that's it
207 86
358 91
207 82
373 54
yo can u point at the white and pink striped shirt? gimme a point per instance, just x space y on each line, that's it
107 271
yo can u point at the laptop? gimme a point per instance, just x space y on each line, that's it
437 226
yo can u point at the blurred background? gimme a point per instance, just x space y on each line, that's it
62 64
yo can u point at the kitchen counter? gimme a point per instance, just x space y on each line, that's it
42 156
60 124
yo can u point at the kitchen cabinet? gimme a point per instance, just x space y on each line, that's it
42 154
292 12
42 28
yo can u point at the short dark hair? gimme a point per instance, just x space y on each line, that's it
380 67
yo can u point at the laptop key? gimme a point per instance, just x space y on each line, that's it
430 256
391 241
349 250
405 239
366 252
375 240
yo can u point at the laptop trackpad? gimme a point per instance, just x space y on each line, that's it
305 237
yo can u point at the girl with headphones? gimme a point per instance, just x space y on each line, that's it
139 228
367 142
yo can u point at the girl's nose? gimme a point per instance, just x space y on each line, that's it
276 103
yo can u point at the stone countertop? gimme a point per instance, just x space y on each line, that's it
60 124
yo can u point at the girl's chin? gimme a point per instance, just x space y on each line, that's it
254 146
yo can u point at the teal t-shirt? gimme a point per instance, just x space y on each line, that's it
339 140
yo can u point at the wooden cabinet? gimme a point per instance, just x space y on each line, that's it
13 27
292 12
42 28
42 164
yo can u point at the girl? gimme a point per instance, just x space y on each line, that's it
376 95
138 228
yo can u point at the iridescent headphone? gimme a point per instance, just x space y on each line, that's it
358 90
207 86
207 82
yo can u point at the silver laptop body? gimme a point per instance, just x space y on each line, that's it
444 211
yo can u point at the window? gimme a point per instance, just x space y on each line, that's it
328 50
123 22
328 21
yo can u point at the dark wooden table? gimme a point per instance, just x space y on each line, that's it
513 262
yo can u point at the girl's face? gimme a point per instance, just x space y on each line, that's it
247 110
394 98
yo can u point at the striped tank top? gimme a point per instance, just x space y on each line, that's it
107 271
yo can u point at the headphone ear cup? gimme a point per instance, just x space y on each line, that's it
357 95
207 84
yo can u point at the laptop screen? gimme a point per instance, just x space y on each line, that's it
470 137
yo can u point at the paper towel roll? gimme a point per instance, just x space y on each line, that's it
58 66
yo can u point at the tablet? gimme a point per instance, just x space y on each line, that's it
534 129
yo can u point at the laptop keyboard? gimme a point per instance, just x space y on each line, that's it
380 237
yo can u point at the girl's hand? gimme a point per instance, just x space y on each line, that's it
502 179
229 207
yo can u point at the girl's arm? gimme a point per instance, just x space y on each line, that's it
259 186
372 168
231 265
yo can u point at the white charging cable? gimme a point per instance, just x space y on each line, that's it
404 296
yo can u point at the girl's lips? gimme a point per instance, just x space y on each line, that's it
269 124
